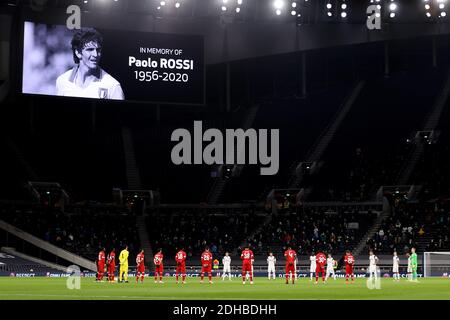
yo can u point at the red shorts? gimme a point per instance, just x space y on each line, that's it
246 267
206 268
141 269
349 269
101 268
111 268
181 268
290 268
320 269
159 269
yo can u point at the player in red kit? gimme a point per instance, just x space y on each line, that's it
180 258
140 267
349 263
321 260
290 256
247 261
101 261
159 267
206 259
111 265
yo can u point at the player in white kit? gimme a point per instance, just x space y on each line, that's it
226 261
312 267
395 266
271 261
373 260
330 267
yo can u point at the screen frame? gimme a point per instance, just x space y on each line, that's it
20 55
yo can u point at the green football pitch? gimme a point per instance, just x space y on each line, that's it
55 289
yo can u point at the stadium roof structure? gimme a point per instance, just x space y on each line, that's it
257 30
299 11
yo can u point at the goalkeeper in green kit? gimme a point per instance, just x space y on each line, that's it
414 264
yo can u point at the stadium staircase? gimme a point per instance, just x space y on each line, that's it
405 173
430 125
216 190
21 159
372 230
64 254
316 152
256 231
144 238
220 182
133 178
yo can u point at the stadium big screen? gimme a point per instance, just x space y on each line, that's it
129 65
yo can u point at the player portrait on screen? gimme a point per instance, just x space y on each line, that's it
87 79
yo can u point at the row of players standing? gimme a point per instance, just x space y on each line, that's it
373 271
318 263
247 257
108 264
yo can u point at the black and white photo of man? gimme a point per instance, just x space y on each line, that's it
87 79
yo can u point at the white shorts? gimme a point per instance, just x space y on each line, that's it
271 269
395 269
330 270
372 269
312 268
226 269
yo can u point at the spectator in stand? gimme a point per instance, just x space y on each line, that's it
411 222
421 231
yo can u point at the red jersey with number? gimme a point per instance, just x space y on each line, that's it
140 259
180 257
111 258
158 259
349 260
247 257
321 259
290 256
206 258
101 257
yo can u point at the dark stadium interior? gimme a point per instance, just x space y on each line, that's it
91 147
